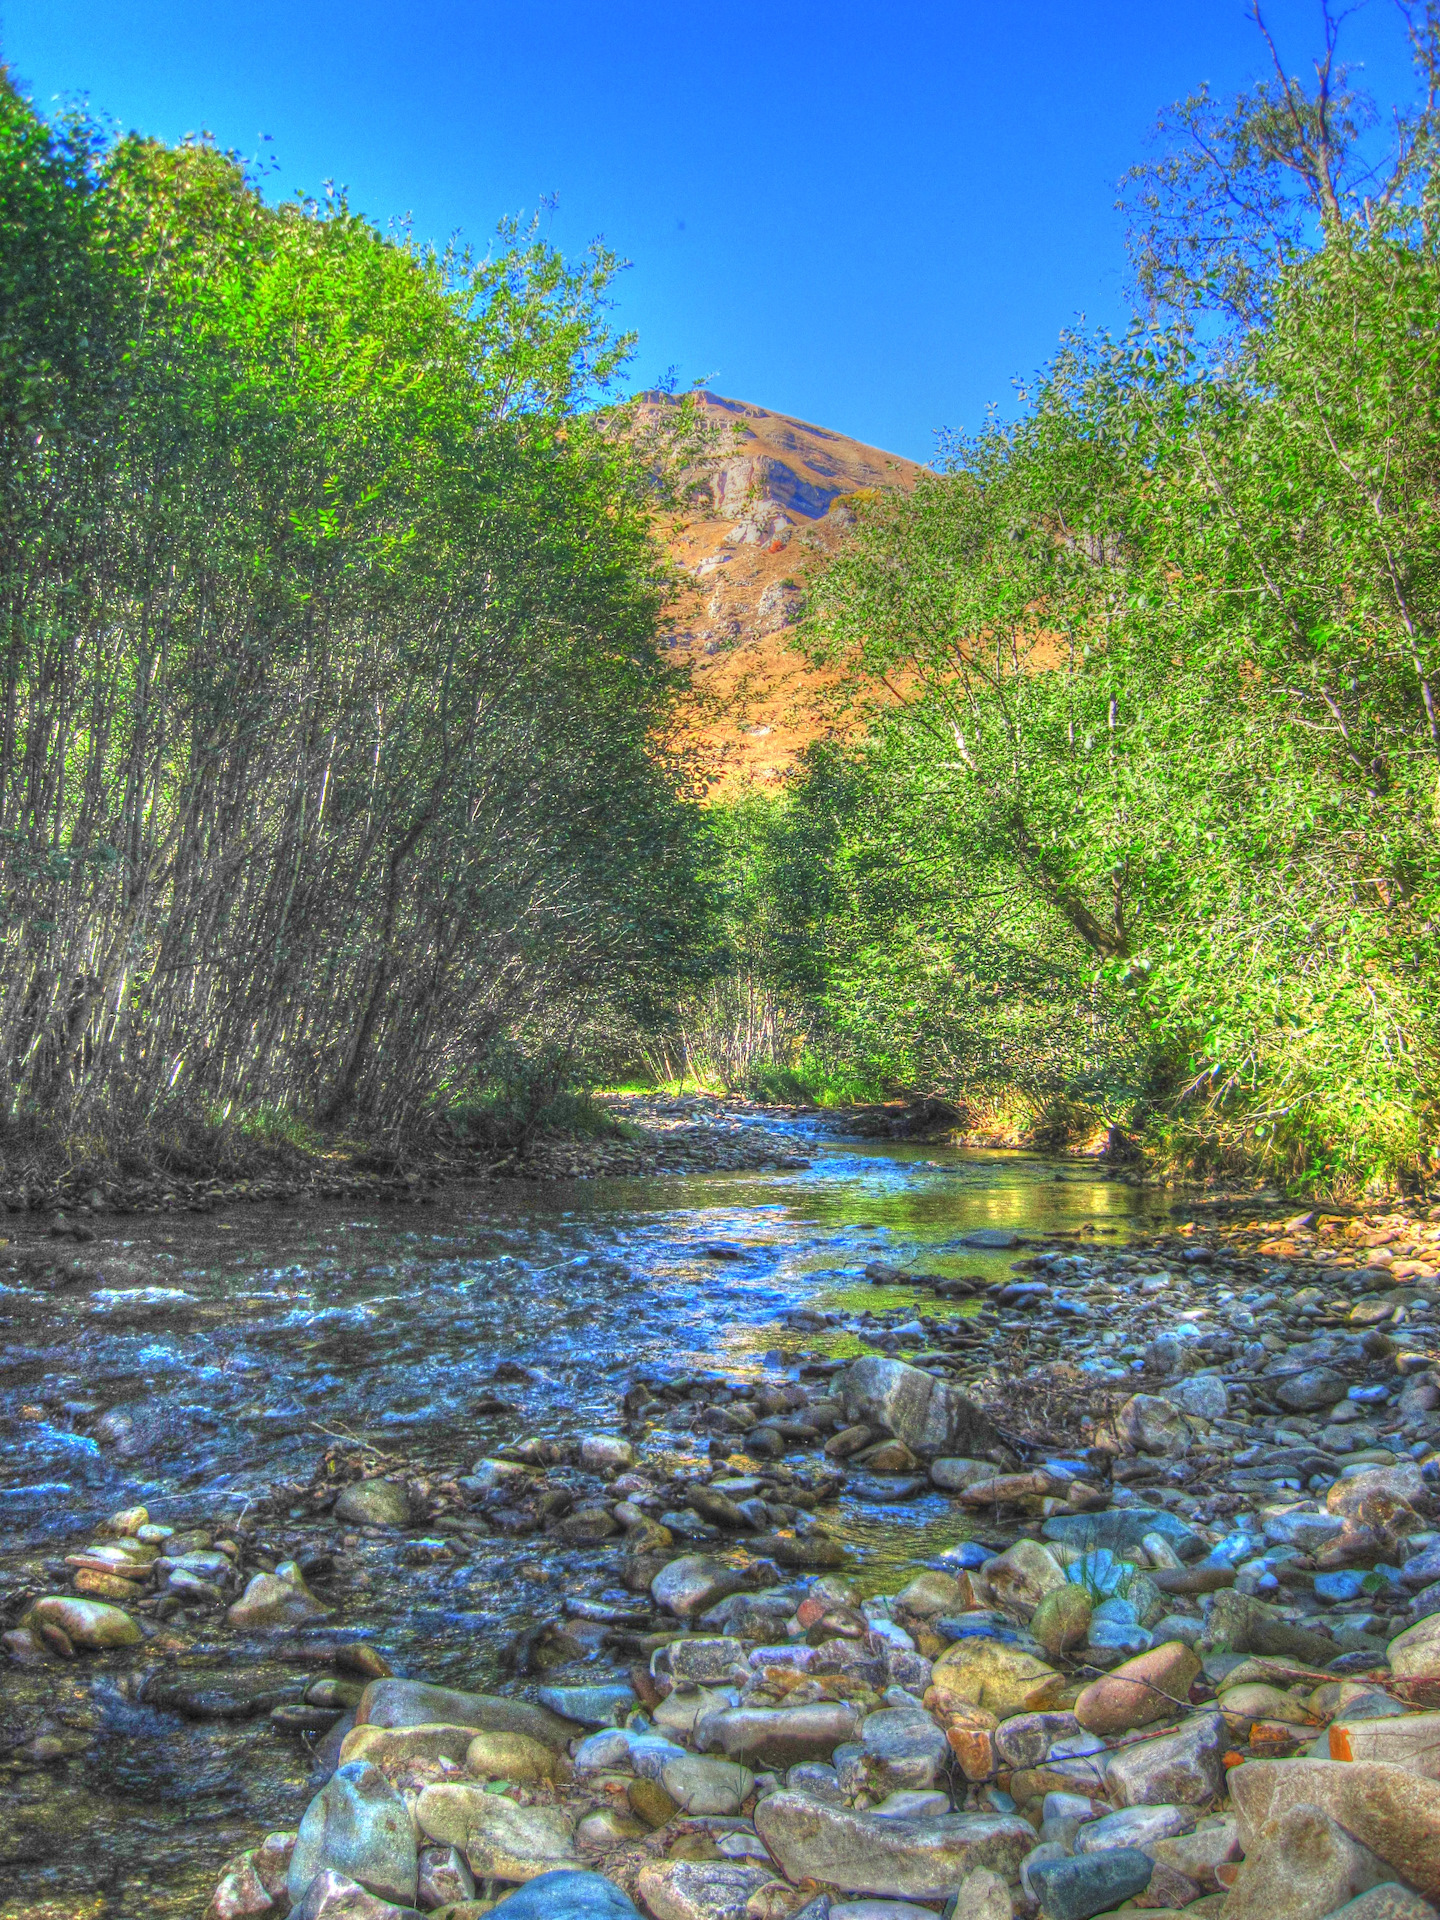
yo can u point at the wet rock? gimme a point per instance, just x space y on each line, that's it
1062 1620
442 1877
1394 1813
279 1599
606 1453
701 1785
414 1703
1312 1387
497 1755
778 1736
689 1586
700 1889
866 1853
566 1895
1156 1686
497 1835
374 1503
1302 1865
357 1825
335 1896
1182 1768
91 1624
931 1417
993 1674
1093 1883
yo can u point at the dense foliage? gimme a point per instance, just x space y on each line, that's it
330 605
1144 833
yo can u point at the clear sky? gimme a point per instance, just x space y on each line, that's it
870 215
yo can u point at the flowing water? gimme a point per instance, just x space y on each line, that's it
194 1364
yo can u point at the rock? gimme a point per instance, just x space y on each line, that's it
932 1593
1214 1843
1351 1497
1415 1653
1312 1387
1024 1740
1156 1686
335 1896
374 1503
1021 1577
567 1895
91 1624
1255 1700
867 1853
240 1894
1302 1865
903 1748
1120 1528
390 1748
1134 1827
993 1674
1308 1531
498 1837
602 1705
700 1785
1092 1883
1238 1623
607 1827
1062 1620
778 1736
649 1802
443 1876
1388 1902
708 1662
955 1475
279 1599
1394 1813
1203 1394
606 1453
1148 1424
413 1703
497 1755
357 1825
699 1889
983 1895
1410 1740
931 1417
1183 1767
689 1586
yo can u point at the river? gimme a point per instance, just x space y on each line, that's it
195 1363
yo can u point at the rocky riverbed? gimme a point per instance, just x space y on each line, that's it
956 1536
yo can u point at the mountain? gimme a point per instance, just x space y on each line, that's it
775 499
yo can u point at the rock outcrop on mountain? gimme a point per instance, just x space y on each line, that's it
776 499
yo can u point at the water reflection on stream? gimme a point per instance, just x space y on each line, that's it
192 1362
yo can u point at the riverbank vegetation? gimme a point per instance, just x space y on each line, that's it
333 664
1142 837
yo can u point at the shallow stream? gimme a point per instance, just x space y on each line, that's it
194 1363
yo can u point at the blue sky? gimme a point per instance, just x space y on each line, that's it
871 216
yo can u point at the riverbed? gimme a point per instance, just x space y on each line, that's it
194 1365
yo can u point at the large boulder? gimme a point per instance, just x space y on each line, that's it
872 1853
1302 1865
931 1417
357 1825
1388 1809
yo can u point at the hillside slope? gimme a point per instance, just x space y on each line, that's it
773 506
